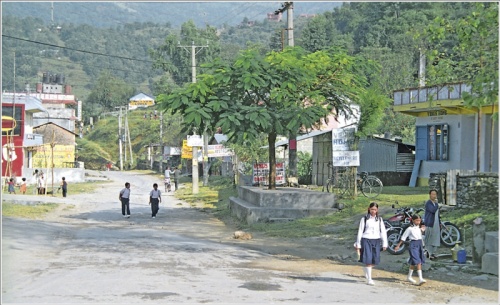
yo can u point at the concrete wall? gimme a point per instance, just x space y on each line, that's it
72 175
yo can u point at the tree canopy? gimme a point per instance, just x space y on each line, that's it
273 94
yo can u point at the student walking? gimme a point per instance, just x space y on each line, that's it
371 237
417 257
125 200
64 187
432 232
154 200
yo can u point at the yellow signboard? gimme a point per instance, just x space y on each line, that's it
187 151
142 103
42 155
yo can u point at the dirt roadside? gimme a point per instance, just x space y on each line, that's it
447 282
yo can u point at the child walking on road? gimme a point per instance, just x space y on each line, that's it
417 257
125 200
154 200
371 237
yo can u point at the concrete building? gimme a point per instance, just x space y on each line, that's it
449 134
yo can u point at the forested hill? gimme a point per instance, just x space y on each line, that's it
112 14
107 65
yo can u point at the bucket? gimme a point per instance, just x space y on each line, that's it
461 256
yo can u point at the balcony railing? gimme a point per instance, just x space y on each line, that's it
424 94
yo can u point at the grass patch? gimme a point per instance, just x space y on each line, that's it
215 197
27 211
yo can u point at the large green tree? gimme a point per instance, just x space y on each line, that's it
271 94
473 59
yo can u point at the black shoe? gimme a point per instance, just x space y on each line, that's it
433 257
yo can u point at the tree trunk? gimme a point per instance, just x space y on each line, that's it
271 140
478 159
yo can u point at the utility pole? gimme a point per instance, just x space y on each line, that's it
161 142
120 136
129 139
292 142
195 148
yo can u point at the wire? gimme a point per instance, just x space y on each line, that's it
76 50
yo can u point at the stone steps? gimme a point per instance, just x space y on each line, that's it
284 204
489 260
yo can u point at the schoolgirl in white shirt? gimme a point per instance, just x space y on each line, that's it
417 256
372 236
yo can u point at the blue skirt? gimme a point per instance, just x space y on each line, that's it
416 250
370 251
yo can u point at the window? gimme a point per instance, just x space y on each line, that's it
432 142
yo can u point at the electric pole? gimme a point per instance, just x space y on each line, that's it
120 136
195 148
292 142
161 143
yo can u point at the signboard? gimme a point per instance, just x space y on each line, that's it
342 139
172 151
195 140
42 155
215 151
187 151
345 158
142 103
261 173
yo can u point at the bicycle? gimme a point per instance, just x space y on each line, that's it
339 183
370 185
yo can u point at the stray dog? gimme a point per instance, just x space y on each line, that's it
242 235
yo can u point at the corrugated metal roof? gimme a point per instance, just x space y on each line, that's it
299 138
141 97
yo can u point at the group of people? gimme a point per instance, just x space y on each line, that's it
154 194
177 173
372 239
40 184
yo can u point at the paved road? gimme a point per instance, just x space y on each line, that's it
92 255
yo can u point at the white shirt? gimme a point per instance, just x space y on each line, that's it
167 173
374 230
125 193
413 233
155 194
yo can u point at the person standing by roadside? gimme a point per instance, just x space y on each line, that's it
64 187
177 174
11 186
41 184
371 237
417 257
154 200
23 188
125 200
431 220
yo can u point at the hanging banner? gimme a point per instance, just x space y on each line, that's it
218 150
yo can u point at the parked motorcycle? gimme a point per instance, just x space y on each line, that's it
397 224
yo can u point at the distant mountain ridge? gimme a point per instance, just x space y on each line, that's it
113 14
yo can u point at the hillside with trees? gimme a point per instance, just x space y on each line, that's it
107 64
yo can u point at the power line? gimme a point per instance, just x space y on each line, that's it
76 50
